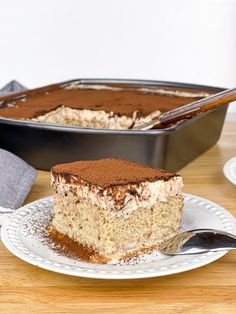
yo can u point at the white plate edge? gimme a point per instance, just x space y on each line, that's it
227 168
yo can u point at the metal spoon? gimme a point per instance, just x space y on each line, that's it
190 110
198 241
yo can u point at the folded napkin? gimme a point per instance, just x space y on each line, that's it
16 180
12 87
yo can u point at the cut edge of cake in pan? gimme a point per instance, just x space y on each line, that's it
87 118
115 209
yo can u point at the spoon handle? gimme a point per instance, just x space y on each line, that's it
198 106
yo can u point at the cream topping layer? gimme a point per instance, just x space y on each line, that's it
86 118
93 118
121 199
151 90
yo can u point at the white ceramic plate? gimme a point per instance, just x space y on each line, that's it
22 235
230 170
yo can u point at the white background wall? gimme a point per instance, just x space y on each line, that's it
54 40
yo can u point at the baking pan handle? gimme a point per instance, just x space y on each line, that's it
190 110
199 106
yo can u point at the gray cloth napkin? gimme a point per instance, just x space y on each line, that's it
16 180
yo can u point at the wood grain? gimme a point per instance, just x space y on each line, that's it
209 289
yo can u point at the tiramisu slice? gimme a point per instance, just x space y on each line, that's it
115 208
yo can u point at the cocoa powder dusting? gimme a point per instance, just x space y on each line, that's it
65 246
109 172
123 102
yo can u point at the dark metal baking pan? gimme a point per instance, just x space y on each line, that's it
44 145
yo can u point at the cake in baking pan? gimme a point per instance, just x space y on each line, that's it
110 106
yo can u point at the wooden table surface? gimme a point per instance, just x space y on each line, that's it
209 289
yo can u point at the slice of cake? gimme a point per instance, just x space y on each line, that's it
115 208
